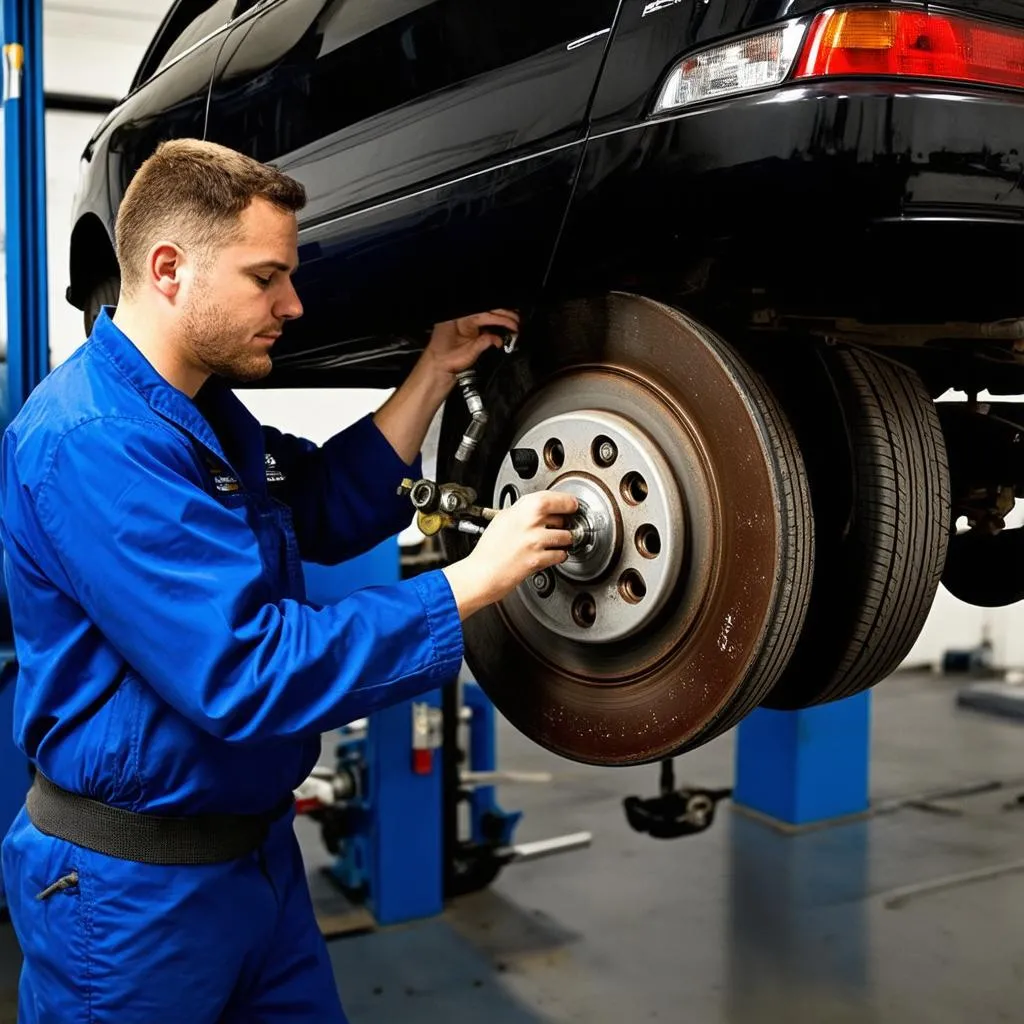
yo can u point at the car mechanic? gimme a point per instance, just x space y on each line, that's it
174 681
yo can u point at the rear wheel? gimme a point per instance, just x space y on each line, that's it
105 293
678 615
876 456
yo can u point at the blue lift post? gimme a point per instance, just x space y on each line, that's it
27 327
398 851
28 348
483 757
805 767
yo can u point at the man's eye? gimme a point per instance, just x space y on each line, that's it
263 282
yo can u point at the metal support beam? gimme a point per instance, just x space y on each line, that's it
79 103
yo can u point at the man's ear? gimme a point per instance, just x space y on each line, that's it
165 266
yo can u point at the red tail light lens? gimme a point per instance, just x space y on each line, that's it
888 41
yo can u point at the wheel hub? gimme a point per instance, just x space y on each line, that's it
597 529
628 534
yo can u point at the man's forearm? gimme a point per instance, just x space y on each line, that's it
405 417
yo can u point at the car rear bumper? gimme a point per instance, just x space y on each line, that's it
826 196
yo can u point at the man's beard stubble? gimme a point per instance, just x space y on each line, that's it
215 344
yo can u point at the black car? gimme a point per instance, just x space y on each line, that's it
752 243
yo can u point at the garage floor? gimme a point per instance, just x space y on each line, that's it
741 924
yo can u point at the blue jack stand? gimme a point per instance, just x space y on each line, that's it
391 854
803 768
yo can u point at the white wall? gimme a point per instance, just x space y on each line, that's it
90 47
93 46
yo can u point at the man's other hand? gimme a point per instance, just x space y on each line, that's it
455 345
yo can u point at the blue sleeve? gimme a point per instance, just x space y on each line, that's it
343 495
173 580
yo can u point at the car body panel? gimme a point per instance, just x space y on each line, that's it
839 198
464 154
880 201
438 141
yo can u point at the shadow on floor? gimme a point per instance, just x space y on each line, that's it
451 970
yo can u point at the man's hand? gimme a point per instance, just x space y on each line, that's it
456 345
520 541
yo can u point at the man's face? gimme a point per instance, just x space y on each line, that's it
239 300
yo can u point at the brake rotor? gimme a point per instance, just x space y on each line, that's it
680 607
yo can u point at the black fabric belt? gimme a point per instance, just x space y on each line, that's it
146 838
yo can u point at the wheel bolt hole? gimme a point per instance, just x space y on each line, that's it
632 586
544 583
648 541
554 454
603 451
584 611
634 488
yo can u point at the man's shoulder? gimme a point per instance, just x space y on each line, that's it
83 396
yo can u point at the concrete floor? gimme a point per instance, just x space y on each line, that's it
741 924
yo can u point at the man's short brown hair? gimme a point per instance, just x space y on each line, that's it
192 193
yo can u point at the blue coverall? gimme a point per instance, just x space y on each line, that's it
169 663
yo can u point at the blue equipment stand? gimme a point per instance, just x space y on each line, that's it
801 768
488 822
395 852
27 319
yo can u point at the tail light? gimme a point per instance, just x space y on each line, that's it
891 41
857 41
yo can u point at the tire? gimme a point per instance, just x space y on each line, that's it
742 533
880 487
105 293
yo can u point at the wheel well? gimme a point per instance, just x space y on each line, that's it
92 259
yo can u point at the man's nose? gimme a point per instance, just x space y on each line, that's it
289 306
